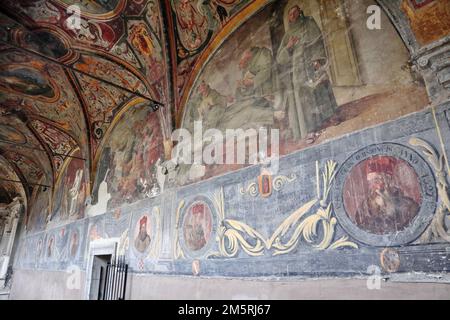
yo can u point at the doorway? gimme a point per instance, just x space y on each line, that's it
101 252
98 276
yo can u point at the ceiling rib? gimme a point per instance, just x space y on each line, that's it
42 150
26 183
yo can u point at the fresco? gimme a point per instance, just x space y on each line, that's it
96 229
382 195
95 8
71 191
128 164
430 19
385 194
46 42
197 226
39 248
61 126
9 190
26 81
144 238
142 235
60 143
30 168
151 54
50 248
10 134
196 24
294 70
118 42
21 147
74 244
39 209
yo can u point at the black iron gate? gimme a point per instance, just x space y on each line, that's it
115 280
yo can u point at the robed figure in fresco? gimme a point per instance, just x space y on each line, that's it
254 96
211 106
252 103
309 95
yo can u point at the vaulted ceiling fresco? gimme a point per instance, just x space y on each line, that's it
195 25
62 86
69 73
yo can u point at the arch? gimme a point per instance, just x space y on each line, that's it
391 8
130 104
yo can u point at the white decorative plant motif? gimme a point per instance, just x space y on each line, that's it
302 224
437 229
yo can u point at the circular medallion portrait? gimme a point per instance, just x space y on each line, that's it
385 195
382 195
142 234
197 226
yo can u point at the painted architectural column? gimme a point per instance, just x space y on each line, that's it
433 63
10 224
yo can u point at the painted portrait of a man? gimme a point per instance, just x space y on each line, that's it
143 240
197 226
74 242
385 208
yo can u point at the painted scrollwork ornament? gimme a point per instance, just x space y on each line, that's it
302 224
438 229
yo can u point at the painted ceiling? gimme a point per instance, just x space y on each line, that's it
67 73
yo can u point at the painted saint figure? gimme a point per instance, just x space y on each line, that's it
74 193
254 95
74 244
143 240
141 40
211 106
309 96
197 228
386 209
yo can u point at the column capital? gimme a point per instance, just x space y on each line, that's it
433 63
